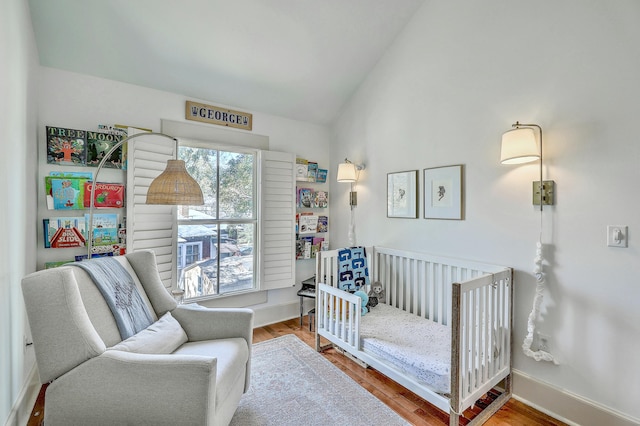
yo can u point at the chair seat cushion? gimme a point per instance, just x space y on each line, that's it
162 337
232 355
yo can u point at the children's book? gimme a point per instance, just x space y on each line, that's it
316 245
321 199
302 169
105 195
312 171
307 224
300 249
64 232
81 257
305 197
321 176
66 146
105 229
98 145
68 193
58 175
49 265
323 224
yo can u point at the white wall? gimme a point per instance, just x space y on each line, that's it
457 77
18 65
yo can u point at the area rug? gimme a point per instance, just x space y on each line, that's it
293 385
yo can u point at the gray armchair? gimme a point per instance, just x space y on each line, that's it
190 367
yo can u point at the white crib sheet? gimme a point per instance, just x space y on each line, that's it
417 346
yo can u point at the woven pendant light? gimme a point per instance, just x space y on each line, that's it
175 186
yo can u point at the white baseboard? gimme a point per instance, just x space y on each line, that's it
276 313
565 406
21 411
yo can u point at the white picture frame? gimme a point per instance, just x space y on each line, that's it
443 192
402 194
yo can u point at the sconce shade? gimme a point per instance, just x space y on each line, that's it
347 172
519 146
175 186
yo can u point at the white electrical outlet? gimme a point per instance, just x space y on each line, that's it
617 236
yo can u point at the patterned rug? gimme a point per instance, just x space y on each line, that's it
293 385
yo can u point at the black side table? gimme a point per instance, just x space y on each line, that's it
308 290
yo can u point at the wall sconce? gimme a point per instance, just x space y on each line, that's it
174 186
519 146
349 172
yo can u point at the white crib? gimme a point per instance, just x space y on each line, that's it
473 299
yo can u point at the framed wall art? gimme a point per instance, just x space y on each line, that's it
402 194
443 192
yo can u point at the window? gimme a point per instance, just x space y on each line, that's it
216 241
268 234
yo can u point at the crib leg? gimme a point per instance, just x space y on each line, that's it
454 419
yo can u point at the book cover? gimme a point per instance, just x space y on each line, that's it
109 250
321 176
305 197
321 199
68 193
105 195
308 224
66 146
300 249
312 171
323 224
81 257
49 265
105 229
307 249
58 175
64 232
302 172
98 145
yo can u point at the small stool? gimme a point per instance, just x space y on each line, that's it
312 316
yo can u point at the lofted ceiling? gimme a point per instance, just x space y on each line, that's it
300 59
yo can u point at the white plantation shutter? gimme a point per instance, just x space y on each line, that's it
151 226
278 210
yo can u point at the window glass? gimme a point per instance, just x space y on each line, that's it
216 241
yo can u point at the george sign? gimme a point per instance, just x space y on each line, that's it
214 115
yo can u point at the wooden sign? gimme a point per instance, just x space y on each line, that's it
214 115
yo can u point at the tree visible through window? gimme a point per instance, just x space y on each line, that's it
216 241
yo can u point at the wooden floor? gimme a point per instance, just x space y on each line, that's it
408 405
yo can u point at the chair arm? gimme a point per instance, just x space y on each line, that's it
201 323
120 386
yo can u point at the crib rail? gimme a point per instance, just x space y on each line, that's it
481 336
338 316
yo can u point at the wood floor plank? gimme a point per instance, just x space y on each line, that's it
407 404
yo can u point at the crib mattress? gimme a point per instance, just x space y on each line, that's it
417 346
